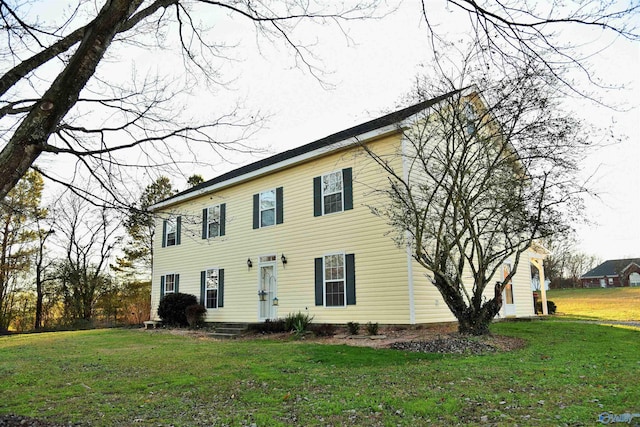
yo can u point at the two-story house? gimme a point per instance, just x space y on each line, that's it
294 232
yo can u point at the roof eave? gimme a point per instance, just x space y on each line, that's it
319 152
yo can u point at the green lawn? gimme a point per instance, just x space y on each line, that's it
568 374
598 303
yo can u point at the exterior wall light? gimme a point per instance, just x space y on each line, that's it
262 294
275 301
249 264
284 260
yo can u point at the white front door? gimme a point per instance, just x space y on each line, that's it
267 289
507 293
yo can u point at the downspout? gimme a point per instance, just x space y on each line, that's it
405 176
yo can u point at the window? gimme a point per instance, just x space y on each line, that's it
171 231
213 221
333 192
335 280
470 118
334 283
169 284
268 208
212 288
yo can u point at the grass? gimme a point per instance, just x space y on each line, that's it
568 374
598 303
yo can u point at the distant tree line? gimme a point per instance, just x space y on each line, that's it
566 263
72 264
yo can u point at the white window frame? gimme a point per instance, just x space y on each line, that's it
343 279
172 228
207 287
166 283
341 192
213 220
274 208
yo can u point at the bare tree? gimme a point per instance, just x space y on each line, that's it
88 236
511 34
482 175
58 95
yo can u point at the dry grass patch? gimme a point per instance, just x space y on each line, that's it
621 304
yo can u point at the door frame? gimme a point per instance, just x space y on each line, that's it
272 288
509 310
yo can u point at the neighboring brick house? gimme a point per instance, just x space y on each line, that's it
613 273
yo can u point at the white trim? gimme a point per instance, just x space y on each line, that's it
173 220
412 302
344 280
353 141
209 221
164 291
341 191
273 310
275 207
206 277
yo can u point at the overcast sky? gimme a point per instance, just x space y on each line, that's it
371 77
372 72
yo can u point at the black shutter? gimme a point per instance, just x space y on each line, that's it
178 227
319 279
347 188
256 211
279 206
164 233
161 286
351 278
204 223
221 287
203 290
223 218
176 283
317 196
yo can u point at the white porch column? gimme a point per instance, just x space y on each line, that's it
537 262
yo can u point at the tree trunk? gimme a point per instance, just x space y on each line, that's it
31 136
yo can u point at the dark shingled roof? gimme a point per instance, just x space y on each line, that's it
380 122
610 268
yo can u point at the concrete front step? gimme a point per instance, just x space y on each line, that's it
229 330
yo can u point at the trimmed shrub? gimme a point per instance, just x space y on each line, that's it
551 307
173 308
298 322
324 330
268 327
372 328
195 315
353 327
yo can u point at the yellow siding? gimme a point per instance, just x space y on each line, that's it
381 269
382 273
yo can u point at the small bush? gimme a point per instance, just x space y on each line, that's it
354 328
551 307
372 328
195 315
173 308
268 327
298 321
324 330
